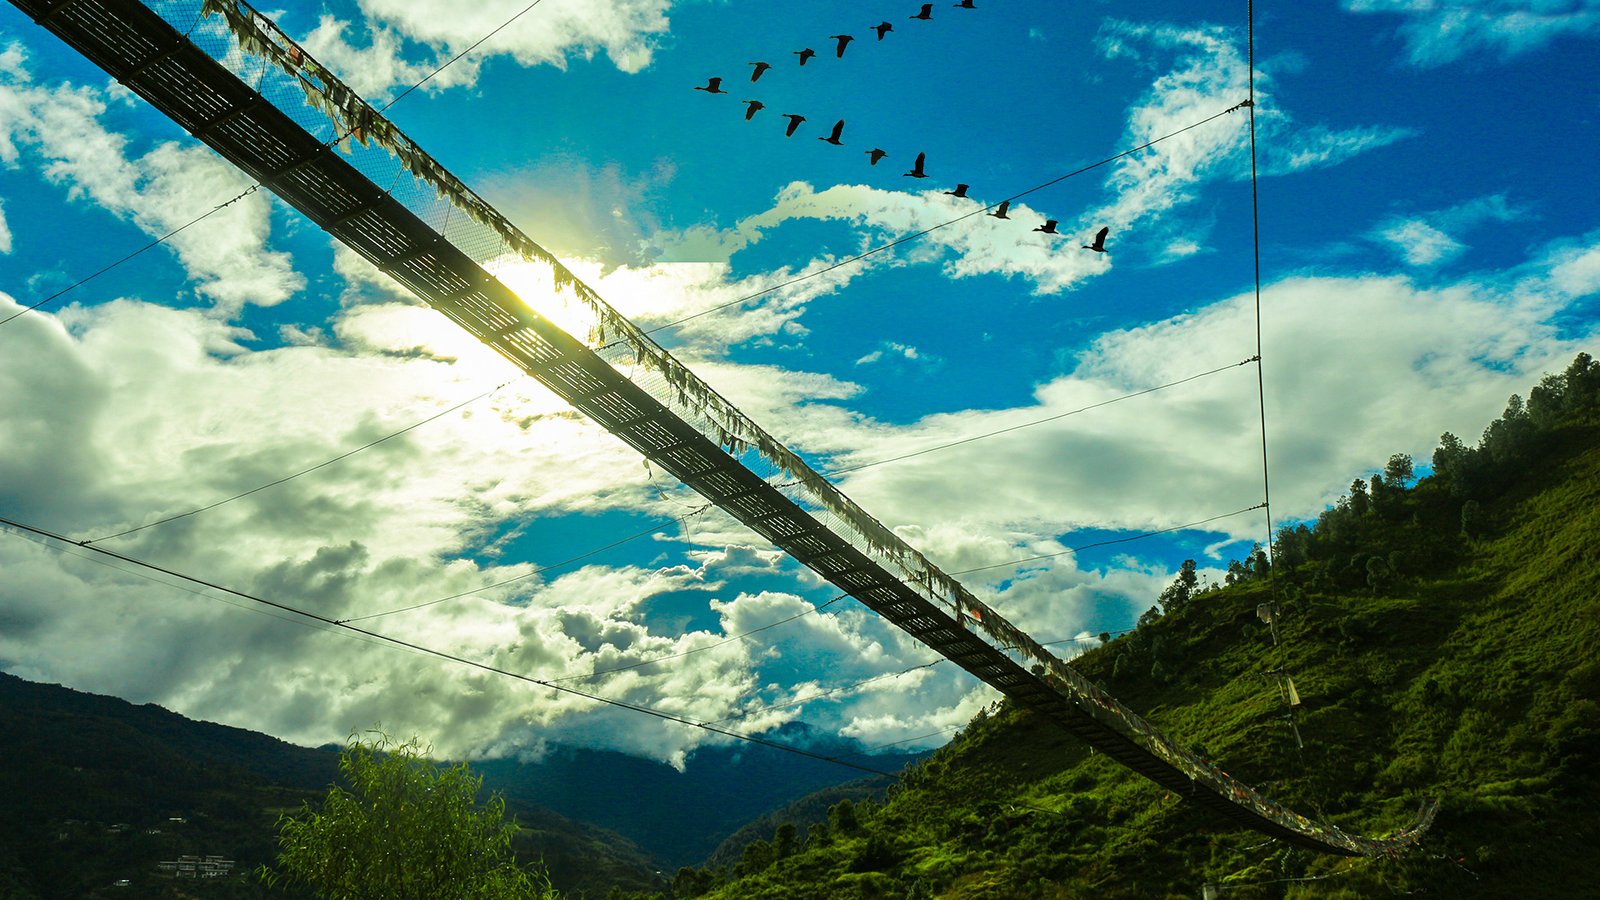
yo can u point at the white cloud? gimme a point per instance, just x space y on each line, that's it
1208 73
1430 238
1197 73
5 231
895 349
1419 243
167 187
553 32
84 450
1441 31
1358 368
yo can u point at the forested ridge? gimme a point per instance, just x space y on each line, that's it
1442 637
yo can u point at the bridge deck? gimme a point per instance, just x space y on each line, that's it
139 48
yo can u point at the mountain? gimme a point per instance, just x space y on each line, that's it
1444 642
680 817
92 786
97 790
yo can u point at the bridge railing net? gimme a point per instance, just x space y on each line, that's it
282 72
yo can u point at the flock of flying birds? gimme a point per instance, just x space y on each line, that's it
877 154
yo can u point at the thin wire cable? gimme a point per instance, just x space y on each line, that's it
1255 240
1052 418
445 655
926 231
849 687
950 728
1105 543
539 571
73 548
452 61
876 747
343 456
728 640
258 185
828 693
108 267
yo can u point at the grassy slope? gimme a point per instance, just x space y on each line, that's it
1476 684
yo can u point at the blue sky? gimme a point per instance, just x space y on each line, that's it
1429 244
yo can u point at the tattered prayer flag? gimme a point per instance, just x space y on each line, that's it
1294 696
296 55
1264 610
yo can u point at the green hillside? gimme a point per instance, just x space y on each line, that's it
1444 639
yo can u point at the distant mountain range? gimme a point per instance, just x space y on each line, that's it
97 790
681 817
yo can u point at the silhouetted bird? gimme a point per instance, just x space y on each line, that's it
805 55
838 129
751 108
960 191
882 28
964 4
1005 206
876 155
713 86
844 40
761 69
916 170
926 14
794 122
1099 245
1049 227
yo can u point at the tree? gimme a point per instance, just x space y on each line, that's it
1399 470
785 840
689 883
842 818
408 828
758 856
1358 500
1182 589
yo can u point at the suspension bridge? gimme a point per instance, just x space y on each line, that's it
227 75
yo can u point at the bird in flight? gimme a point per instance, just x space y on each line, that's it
838 129
1049 227
712 86
1099 245
805 55
882 28
916 170
1000 213
751 108
761 69
844 41
876 155
926 14
960 191
964 4
794 122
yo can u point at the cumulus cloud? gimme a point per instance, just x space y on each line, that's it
85 450
5 231
60 130
1442 31
375 58
1385 348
